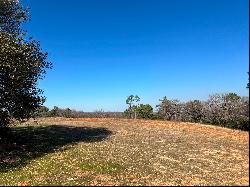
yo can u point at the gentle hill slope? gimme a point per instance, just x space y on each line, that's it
95 151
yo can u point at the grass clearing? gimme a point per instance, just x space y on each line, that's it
59 151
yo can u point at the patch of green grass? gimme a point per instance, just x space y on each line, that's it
25 143
102 167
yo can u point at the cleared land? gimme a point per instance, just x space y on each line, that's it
59 151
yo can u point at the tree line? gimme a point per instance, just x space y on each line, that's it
44 111
226 110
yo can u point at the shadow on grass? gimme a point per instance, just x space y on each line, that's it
22 144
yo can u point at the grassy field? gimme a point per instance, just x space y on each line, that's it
58 151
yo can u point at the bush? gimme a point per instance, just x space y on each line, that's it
145 111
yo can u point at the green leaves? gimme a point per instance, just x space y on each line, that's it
131 100
145 111
22 64
12 15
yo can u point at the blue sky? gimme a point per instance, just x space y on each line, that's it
105 50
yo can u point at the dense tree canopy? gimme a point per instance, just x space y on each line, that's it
22 64
145 111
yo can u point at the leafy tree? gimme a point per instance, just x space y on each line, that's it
231 97
145 111
132 106
22 64
12 15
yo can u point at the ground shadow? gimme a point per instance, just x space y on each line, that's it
22 144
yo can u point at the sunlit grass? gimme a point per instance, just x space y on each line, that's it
118 152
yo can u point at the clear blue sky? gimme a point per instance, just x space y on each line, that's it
105 50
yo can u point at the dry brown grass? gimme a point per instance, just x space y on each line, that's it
150 152
183 126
